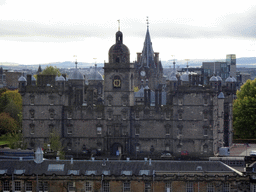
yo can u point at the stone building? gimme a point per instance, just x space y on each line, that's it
121 175
173 115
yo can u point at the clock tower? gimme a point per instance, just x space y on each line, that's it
118 96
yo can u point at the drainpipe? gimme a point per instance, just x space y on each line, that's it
198 186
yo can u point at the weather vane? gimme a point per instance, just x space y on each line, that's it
118 24
147 22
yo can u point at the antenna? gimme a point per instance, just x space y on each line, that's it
118 24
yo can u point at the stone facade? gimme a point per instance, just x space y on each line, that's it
108 116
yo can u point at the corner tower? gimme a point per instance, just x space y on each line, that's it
118 95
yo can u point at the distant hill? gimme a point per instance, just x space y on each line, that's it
247 62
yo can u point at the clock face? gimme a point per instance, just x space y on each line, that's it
143 73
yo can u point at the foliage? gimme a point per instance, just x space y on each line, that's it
13 141
8 95
7 124
55 144
136 89
244 111
50 70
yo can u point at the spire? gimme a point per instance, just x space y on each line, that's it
147 57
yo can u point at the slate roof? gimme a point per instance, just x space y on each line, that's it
99 167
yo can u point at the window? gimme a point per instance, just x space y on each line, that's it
210 187
71 187
137 114
32 113
28 186
167 115
225 187
205 101
32 128
32 100
180 116
205 132
205 115
43 186
99 115
6 186
137 130
179 131
69 130
88 187
110 113
51 111
127 186
189 187
168 187
167 130
17 186
109 102
99 130
106 186
147 187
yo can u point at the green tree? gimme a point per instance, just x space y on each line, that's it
55 144
50 70
10 95
7 124
244 111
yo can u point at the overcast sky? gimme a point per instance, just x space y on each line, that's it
33 31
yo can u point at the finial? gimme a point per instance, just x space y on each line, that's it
147 22
118 24
95 62
75 61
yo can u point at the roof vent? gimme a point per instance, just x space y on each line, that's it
39 155
127 159
145 159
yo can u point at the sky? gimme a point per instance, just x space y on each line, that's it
38 32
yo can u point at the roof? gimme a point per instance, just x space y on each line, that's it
76 75
22 78
113 167
95 75
213 78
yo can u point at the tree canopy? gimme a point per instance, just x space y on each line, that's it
50 70
244 111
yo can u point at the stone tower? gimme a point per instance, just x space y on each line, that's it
118 95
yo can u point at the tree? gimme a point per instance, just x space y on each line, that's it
9 95
50 70
244 111
7 124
